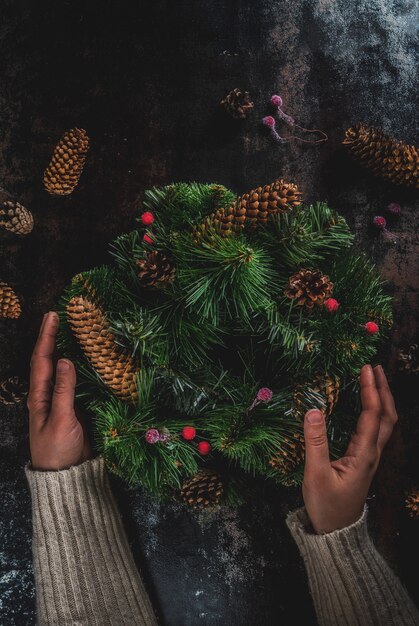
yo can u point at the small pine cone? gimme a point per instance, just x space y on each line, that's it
14 217
203 490
291 455
64 170
12 391
383 155
328 387
412 504
155 269
237 103
309 287
9 302
407 359
115 365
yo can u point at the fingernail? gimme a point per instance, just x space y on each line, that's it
314 416
52 316
63 365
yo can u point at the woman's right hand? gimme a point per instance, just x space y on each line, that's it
335 491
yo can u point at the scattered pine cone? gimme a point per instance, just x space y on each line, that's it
64 170
12 391
9 302
155 269
237 103
251 208
383 155
203 490
407 359
91 329
14 217
412 504
290 456
309 287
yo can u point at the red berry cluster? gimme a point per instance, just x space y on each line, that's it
189 433
332 305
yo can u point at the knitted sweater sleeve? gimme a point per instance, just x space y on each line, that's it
84 570
350 582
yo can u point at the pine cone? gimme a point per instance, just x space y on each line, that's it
14 217
309 287
251 208
383 155
328 387
91 329
237 103
407 359
12 391
9 302
412 504
203 490
155 269
64 170
291 455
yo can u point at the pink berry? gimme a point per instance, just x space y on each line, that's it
269 121
152 435
371 328
331 305
148 239
380 222
264 394
276 100
147 218
394 207
204 447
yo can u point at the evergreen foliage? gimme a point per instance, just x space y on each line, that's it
222 329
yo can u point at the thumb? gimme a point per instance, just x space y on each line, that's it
316 445
62 403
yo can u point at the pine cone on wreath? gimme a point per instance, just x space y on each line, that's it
383 155
155 269
9 302
64 170
203 490
309 287
91 329
237 103
412 504
291 455
12 391
327 386
253 207
16 218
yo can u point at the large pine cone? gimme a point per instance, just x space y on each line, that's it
327 386
64 170
251 208
155 269
9 302
14 217
12 391
290 456
309 287
412 504
237 103
383 155
203 490
91 329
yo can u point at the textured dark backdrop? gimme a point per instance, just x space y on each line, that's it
144 79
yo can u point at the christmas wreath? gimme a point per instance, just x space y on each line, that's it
219 322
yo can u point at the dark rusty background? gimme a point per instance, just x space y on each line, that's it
145 79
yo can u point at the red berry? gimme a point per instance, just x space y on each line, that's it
371 328
204 447
147 218
148 239
331 305
380 222
188 433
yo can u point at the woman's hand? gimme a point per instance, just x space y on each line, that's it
335 491
57 437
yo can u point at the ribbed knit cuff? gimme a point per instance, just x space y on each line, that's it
349 580
84 570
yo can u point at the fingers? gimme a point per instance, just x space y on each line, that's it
42 369
389 413
316 445
62 405
369 421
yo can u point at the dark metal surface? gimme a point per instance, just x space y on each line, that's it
145 79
